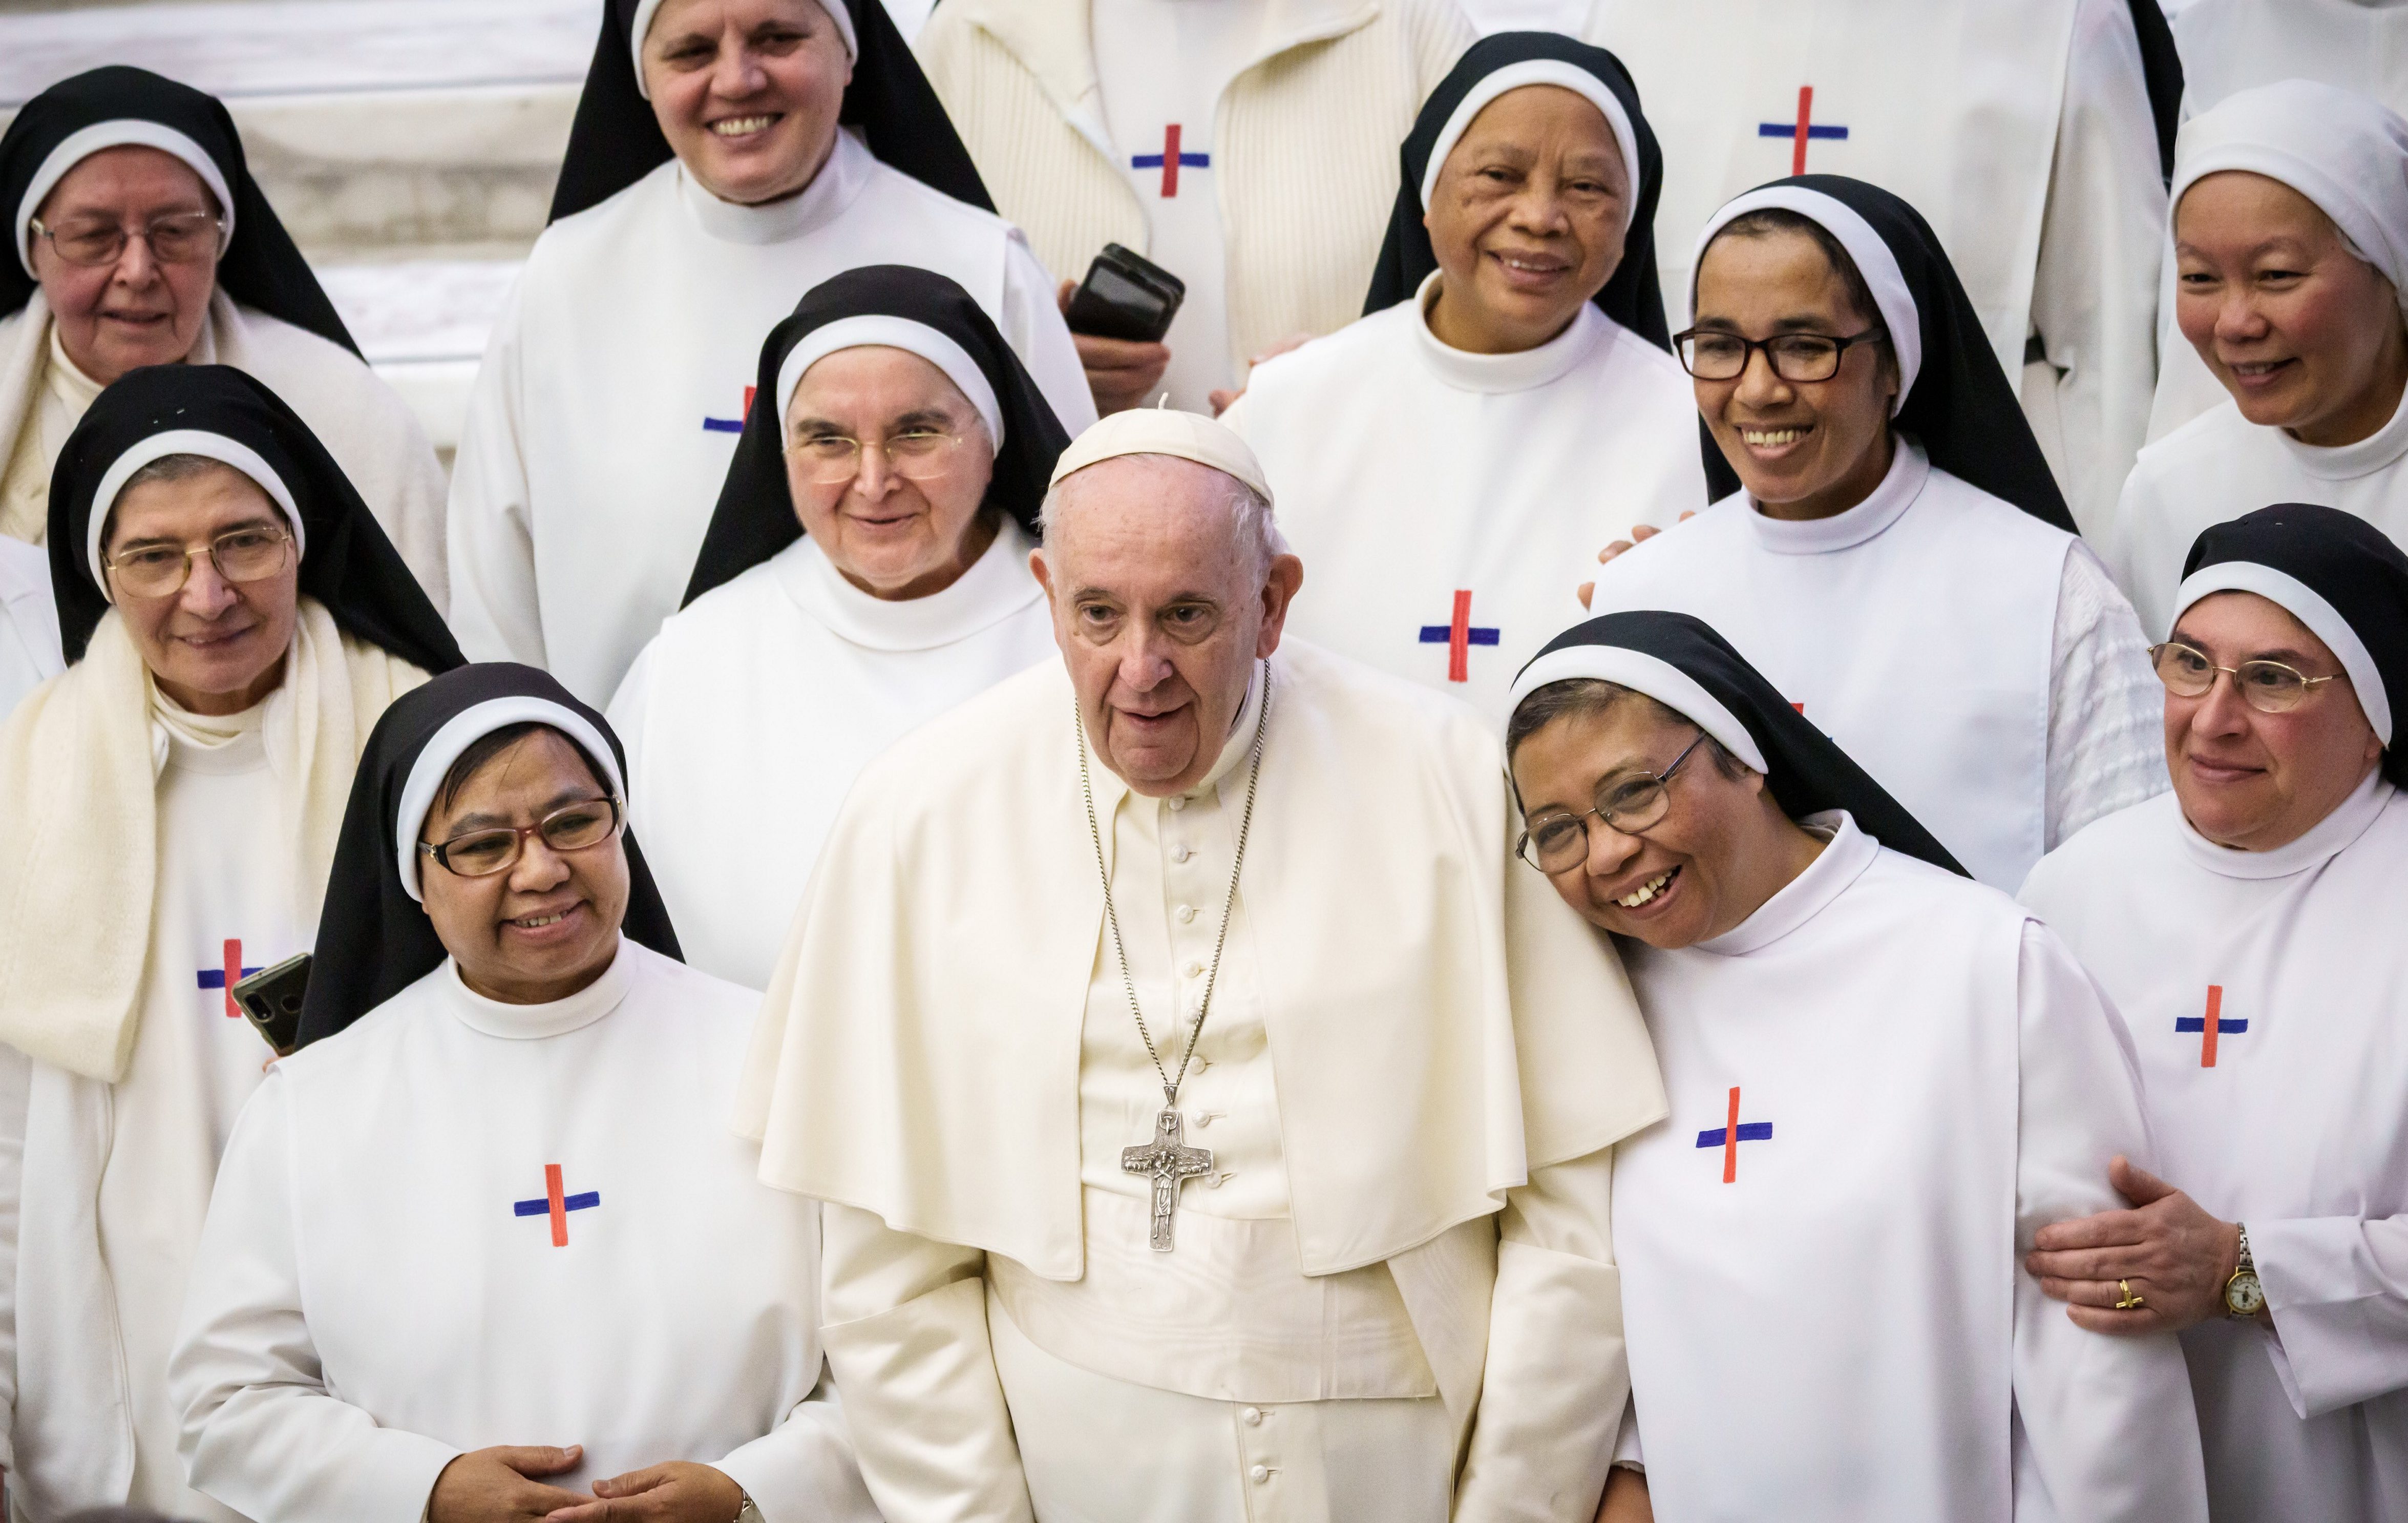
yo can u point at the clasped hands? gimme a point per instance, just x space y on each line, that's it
2175 1257
503 1486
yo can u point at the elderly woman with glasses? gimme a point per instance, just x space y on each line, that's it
867 568
1884 1080
562 1292
1896 559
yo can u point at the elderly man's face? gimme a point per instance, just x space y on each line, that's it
1161 605
138 310
747 92
2251 780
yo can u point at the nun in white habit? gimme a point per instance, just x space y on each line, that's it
215 279
688 221
1900 563
867 568
2247 926
1884 1079
2291 226
1448 465
561 1292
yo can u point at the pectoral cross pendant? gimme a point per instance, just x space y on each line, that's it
1170 1165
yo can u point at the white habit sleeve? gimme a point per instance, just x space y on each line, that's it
1032 324
495 612
2337 1287
1558 1375
16 1088
2107 1431
2106 709
262 1433
802 1470
905 1327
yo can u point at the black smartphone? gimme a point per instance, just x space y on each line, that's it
272 999
1126 295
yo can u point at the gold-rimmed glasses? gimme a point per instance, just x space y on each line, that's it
2268 686
916 454
1632 806
160 568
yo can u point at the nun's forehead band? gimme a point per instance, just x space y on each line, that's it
1539 71
464 729
837 15
199 441
1873 259
124 131
884 331
2311 608
1667 683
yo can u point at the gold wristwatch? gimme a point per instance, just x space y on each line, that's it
2243 1297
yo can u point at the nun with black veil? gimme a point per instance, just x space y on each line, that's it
866 570
1893 552
1884 1080
726 157
562 1291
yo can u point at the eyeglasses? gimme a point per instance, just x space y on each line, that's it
916 454
2268 686
159 570
185 237
1710 355
1558 842
480 853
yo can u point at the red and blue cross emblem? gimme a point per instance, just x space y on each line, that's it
735 425
1169 160
1732 1132
2210 1026
226 975
556 1205
1800 131
1459 635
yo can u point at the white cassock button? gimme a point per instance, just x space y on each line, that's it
1180 853
1177 802
1186 914
1194 970
1253 1416
1259 1474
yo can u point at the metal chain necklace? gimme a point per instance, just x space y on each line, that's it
1166 1160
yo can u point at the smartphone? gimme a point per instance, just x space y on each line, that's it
1126 295
272 999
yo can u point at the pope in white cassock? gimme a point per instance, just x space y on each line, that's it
728 156
561 1292
867 568
1449 465
1884 1079
2247 926
234 623
2023 129
1211 1129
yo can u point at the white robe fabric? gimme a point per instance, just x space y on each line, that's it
749 715
572 1250
1975 660
1427 488
2019 128
363 423
2230 45
29 623
1827 1317
2291 1119
620 373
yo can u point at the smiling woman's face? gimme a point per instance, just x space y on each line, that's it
747 92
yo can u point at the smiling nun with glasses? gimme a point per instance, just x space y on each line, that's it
1898 562
1884 1080
867 568
234 623
562 1291
2247 925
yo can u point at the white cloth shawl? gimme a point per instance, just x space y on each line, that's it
78 841
918 1053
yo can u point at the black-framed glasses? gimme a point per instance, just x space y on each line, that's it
2268 686
573 827
182 238
1634 805
160 571
1712 354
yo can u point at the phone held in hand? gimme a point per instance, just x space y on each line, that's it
272 999
1126 295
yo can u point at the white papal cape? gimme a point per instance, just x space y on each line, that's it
2290 1116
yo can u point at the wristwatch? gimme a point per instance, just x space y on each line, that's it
750 1510
2243 1297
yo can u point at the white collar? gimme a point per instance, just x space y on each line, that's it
1494 374
817 204
996 586
1841 863
2347 462
529 1023
1909 469
2326 840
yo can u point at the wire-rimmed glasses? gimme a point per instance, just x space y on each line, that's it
160 570
2268 686
916 454
1633 805
1714 355
182 238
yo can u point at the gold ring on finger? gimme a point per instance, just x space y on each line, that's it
2131 1301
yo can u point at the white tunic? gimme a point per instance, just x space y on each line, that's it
1975 660
571 1249
2019 128
2290 1118
2220 466
29 622
748 716
619 374
2230 46
1447 505
1827 1312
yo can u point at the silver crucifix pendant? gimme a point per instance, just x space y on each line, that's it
1170 1165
